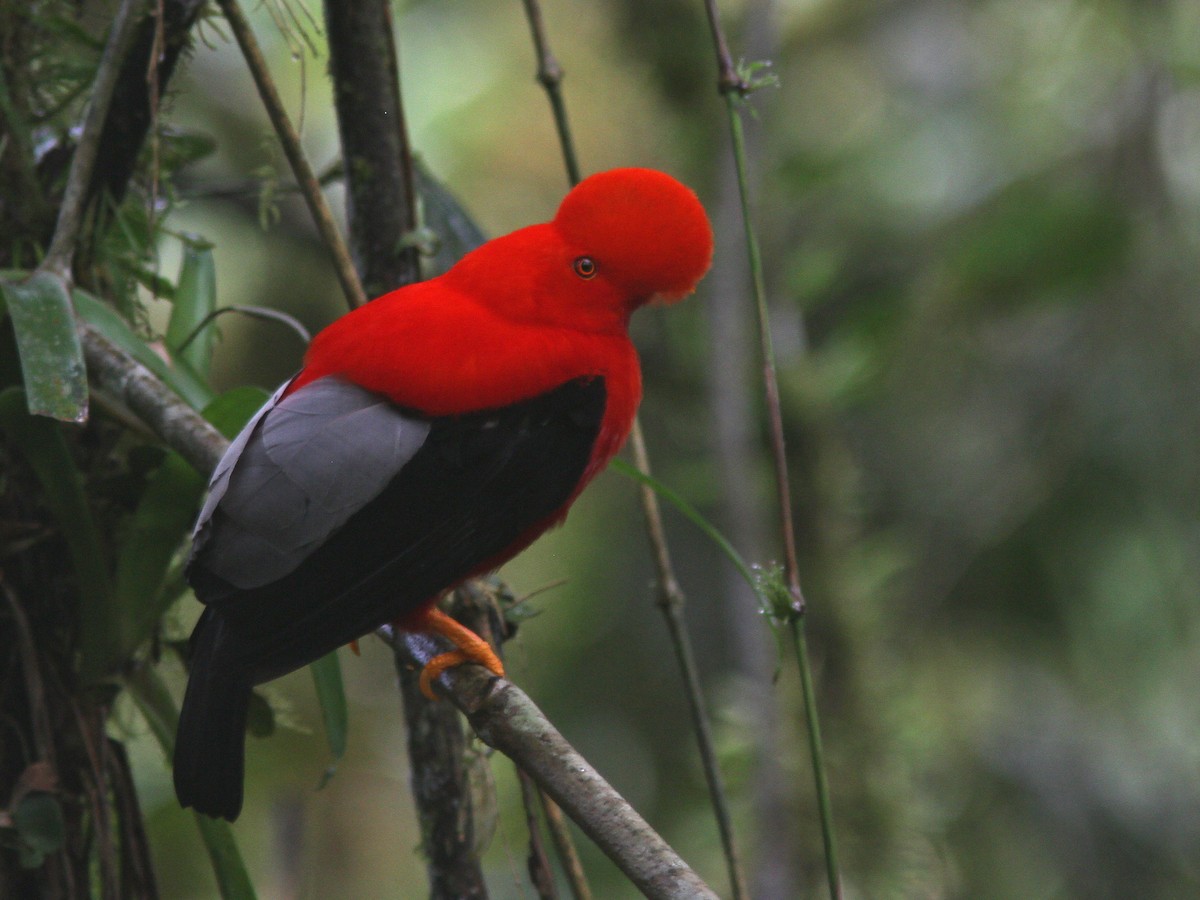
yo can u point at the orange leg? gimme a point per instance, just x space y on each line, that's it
471 648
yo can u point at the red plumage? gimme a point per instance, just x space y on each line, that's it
430 436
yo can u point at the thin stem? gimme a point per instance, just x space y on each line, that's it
779 456
727 77
734 88
550 76
560 833
290 141
537 862
817 752
770 381
672 602
70 214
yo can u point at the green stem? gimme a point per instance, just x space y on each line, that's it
824 805
767 346
696 518
734 88
779 455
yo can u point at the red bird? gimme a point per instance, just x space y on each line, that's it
432 435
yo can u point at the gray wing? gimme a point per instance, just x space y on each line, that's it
299 469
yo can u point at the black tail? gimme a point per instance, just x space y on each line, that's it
210 745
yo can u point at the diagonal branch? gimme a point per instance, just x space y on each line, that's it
290 141
505 718
123 379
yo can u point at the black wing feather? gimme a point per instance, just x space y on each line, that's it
284 587
475 486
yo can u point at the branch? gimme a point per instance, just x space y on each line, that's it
380 184
290 141
550 76
506 719
438 776
127 381
66 232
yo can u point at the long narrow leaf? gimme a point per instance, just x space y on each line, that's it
180 377
158 709
327 677
714 534
233 881
195 299
233 409
51 357
162 519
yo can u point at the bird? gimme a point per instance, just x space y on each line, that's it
430 436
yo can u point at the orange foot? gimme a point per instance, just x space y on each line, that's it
471 648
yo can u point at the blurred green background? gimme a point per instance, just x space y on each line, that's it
980 223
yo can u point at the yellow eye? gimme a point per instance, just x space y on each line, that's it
584 266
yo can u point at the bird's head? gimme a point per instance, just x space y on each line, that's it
641 230
620 239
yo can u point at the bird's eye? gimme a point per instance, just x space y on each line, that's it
584 266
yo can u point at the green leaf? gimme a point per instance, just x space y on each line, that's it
233 409
153 282
233 881
48 342
711 531
41 443
327 676
195 300
179 147
160 523
181 378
